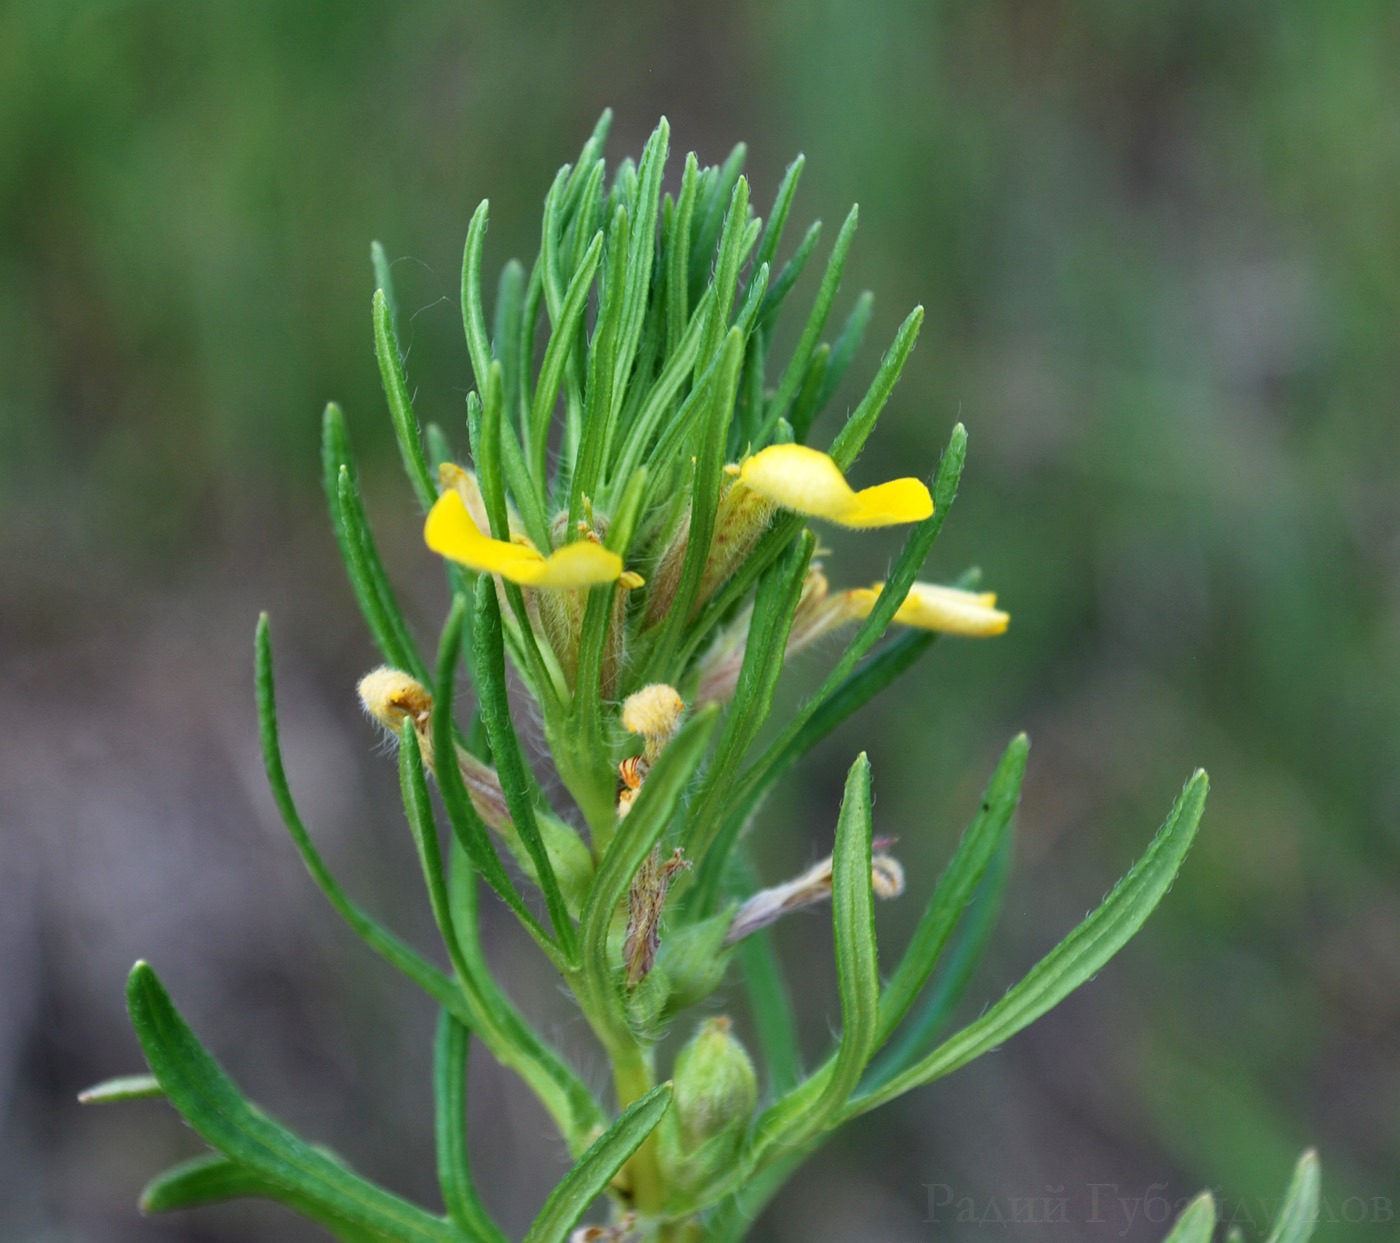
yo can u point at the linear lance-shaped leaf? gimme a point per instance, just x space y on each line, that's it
1297 1219
596 1168
1196 1223
955 888
1075 960
208 1100
806 1111
214 1179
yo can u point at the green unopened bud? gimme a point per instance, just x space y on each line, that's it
716 1088
715 1094
694 958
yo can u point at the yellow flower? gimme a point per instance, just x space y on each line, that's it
809 482
931 607
451 532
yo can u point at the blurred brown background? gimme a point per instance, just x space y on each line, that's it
1159 253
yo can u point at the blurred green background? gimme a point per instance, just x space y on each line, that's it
1158 246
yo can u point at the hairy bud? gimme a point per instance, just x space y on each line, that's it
716 1087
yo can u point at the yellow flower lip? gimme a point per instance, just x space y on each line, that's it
450 532
807 481
950 610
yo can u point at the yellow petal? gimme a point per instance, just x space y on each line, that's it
929 606
809 482
450 532
580 564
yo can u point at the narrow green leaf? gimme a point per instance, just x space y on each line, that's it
771 1004
516 782
1196 1223
213 1179
727 265
557 355
583 208
1076 959
855 691
681 426
771 620
595 437
467 825
680 363
589 1179
678 257
506 340
709 468
955 972
384 279
781 285
777 218
1297 1219
498 1024
484 428
844 348
368 579
481 1006
585 711
593 148
473 311
439 447
391 373
715 190
811 334
371 586
122 1088
807 1111
751 388
641 252
494 1019
508 465
753 299
624 186
955 887
464 1207
198 1087
852 437
853 922
398 954
418 810
551 261
807 402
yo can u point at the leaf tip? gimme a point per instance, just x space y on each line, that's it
141 980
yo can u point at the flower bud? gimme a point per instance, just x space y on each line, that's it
654 712
694 958
716 1091
391 697
716 1088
